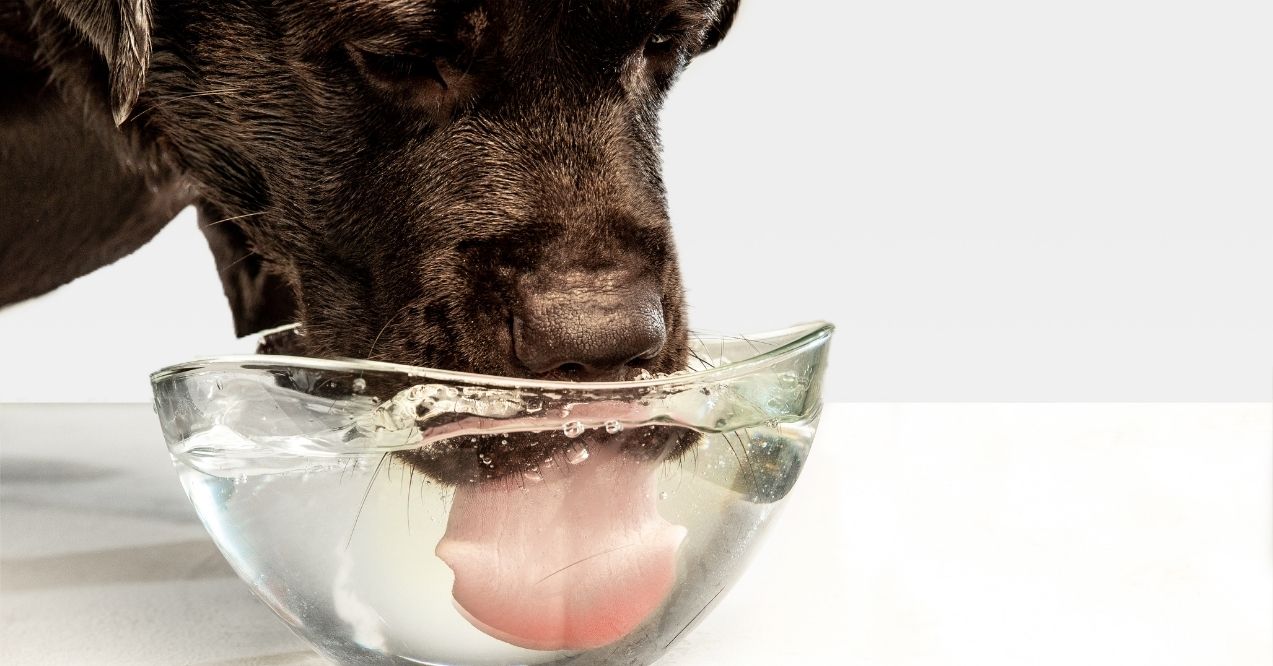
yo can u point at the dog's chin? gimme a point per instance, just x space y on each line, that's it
286 341
516 457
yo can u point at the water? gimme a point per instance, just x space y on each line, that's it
343 548
394 516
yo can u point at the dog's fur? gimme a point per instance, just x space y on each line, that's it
385 171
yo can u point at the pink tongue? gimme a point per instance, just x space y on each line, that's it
575 561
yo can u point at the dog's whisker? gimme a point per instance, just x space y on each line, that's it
581 561
750 342
385 327
370 484
743 466
751 465
236 217
162 101
704 361
232 264
410 481
696 616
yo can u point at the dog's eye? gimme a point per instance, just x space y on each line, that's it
665 37
398 69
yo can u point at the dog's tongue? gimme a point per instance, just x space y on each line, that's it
572 562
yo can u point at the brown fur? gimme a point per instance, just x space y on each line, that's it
391 173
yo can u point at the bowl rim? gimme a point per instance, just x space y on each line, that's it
813 333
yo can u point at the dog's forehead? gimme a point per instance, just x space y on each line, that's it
528 22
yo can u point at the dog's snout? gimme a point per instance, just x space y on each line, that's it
587 325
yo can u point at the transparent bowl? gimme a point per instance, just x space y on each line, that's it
393 514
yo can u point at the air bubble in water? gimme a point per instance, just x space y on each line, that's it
573 429
614 427
578 456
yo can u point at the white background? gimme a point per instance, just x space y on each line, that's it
994 200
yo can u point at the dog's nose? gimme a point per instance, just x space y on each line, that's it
587 324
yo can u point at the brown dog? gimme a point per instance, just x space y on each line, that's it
462 184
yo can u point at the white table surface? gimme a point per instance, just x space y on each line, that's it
920 534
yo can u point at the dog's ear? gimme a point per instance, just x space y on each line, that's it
720 25
120 31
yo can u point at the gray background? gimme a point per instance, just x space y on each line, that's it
993 200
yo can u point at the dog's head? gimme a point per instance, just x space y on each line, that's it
465 184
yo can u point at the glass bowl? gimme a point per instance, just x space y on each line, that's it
401 515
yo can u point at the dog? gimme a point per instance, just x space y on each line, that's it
469 185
